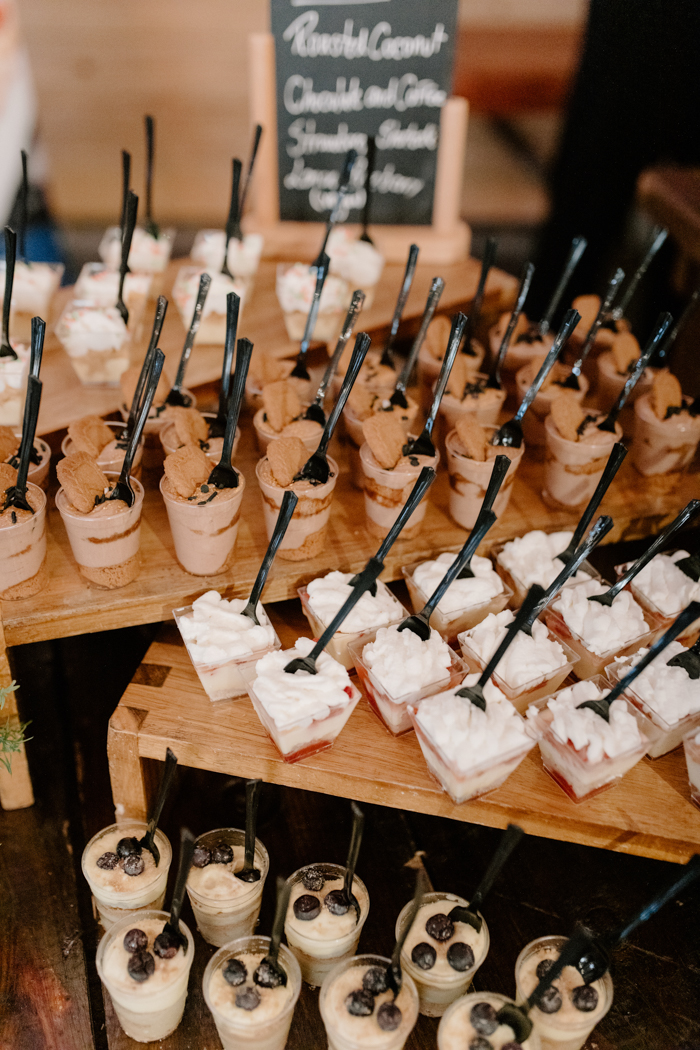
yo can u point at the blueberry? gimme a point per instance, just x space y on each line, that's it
424 955
126 847
201 857
550 1001
483 1018
374 980
135 940
307 907
234 972
479 1043
313 879
584 998
221 854
336 902
248 999
107 861
543 968
267 977
389 1017
460 956
440 927
133 864
141 966
166 945
360 1003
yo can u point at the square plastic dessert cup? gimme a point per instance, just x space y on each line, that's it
691 746
228 680
341 640
569 768
450 625
661 619
393 710
223 919
518 587
39 301
113 905
522 696
465 784
590 663
663 736
339 1038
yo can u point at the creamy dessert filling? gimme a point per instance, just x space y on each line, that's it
319 912
472 1022
217 631
237 994
186 290
100 286
145 961
533 558
118 865
356 261
243 256
602 629
296 285
585 730
359 1004
440 947
33 287
528 659
148 254
84 328
665 586
668 691
213 872
462 593
568 1003
290 699
402 663
328 593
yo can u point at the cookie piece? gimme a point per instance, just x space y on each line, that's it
588 306
361 401
567 415
190 425
281 404
8 478
437 336
473 436
386 438
666 394
264 368
286 456
187 469
82 480
460 375
90 434
625 351
8 443
129 379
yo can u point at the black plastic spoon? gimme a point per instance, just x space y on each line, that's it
419 623
660 358
16 495
223 476
387 359
300 370
688 512
149 839
177 395
494 380
423 445
269 973
167 943
132 204
486 263
358 824
617 454
23 203
510 433
123 490
161 307
578 247
217 426
315 410
689 661
10 257
343 187
233 226
249 873
398 398
126 186
394 973
257 135
369 170
658 236
37 346
690 566
509 840
572 380
500 469
644 358
289 502
151 226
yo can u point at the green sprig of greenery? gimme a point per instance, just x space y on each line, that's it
12 734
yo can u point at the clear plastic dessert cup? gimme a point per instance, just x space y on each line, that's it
520 352
485 407
39 472
23 550
99 285
152 1009
333 306
110 459
386 491
13 384
663 618
356 438
320 944
663 446
306 429
116 894
305 536
451 624
573 468
691 746
533 422
664 736
455 1027
228 680
267 1026
568 1028
106 546
212 326
158 418
608 387
34 287
338 645
211 448
428 368
204 536
225 908
209 248
518 587
147 255
96 341
589 663
348 1032
579 778
393 710
469 479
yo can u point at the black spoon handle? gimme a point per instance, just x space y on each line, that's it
408 276
603 311
10 257
233 307
395 964
243 356
362 342
572 951
150 155
232 220
23 200
204 285
165 784
37 346
664 350
31 414
500 469
601 528
525 282
690 873
358 825
356 304
323 264
183 870
366 578
570 321
688 512
149 393
659 235
578 247
425 479
284 888
436 290
289 502
463 558
662 326
257 135
126 186
486 264
343 186
132 204
252 800
371 163
511 838
532 599
617 454
459 324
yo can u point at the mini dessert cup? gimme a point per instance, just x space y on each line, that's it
152 1009
587 662
356 438
663 446
519 589
574 468
455 1027
451 624
348 1032
116 894
267 1026
13 384
243 256
533 421
225 908
228 680
609 384
212 448
306 534
661 618
212 327
579 778
484 404
295 287
356 261
38 472
307 430
148 254
341 640
99 286
320 944
567 1028
664 736
23 549
428 368
105 546
111 459
34 287
158 418
96 341
204 534
393 710
386 491
469 479
691 746
521 351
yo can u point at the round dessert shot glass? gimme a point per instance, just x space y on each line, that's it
306 534
456 1025
204 532
116 893
533 558
467 602
663 446
346 1031
96 341
148 254
386 491
580 1011
212 327
153 454
150 1009
608 387
664 590
224 906
295 289
608 749
479 400
318 937
391 709
533 422
111 458
429 365
13 384
355 437
38 464
105 543
23 548
307 430
523 349
691 746
212 448
228 981
573 468
441 967
469 479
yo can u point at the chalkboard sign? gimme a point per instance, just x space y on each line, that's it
350 69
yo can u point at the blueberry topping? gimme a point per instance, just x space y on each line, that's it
389 1017
550 1000
460 956
483 1018
248 999
440 927
201 857
360 1003
584 998
336 902
221 854
307 907
234 972
374 980
141 966
133 864
267 976
424 955
543 968
479 1043
135 940
166 945
127 847
107 861
313 879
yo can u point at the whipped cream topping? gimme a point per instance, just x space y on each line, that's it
84 328
602 629
665 586
403 663
186 289
468 736
461 594
295 289
670 691
583 728
217 631
290 699
146 255
243 256
13 373
33 285
100 286
357 262
328 593
527 659
532 558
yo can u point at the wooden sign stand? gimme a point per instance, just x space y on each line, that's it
446 240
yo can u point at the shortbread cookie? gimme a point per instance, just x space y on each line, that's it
187 469
190 425
82 480
437 336
386 438
90 434
473 436
625 351
567 415
281 403
286 456
666 394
